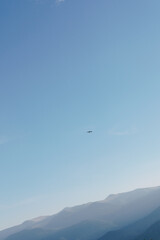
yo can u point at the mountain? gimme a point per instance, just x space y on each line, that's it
32 234
152 232
114 212
26 225
132 231
84 230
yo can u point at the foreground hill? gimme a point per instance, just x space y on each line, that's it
152 232
134 230
114 212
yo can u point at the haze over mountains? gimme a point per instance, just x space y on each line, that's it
123 214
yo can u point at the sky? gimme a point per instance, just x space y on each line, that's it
67 67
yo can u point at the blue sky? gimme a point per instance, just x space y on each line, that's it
68 67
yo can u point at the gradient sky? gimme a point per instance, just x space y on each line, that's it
67 67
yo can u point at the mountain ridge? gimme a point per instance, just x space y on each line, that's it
111 210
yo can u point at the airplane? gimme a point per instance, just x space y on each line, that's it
89 131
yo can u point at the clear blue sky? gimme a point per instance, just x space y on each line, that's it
66 68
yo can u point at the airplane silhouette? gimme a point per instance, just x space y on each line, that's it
89 131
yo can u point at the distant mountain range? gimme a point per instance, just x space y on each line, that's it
125 216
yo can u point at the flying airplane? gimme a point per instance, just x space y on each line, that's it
89 131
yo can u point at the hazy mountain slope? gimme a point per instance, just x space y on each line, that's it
83 231
116 210
87 230
133 230
26 225
151 233
32 234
